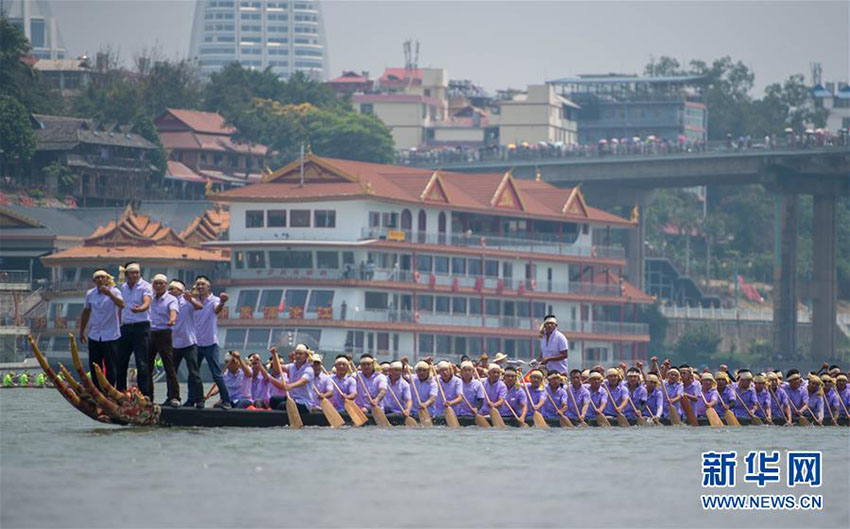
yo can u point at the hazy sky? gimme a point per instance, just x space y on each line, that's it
502 44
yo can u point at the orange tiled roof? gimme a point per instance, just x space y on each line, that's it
206 227
335 179
203 122
142 253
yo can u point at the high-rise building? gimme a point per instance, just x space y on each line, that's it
36 20
288 36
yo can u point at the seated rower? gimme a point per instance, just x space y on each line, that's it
725 391
673 391
324 389
798 397
762 402
371 385
535 390
473 392
344 385
745 396
598 395
237 378
843 390
636 398
260 385
554 394
494 389
398 392
690 387
617 393
578 397
816 401
300 380
832 403
515 398
707 397
779 407
277 382
424 390
654 397
451 386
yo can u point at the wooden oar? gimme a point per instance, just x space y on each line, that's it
378 414
450 415
788 418
622 421
495 417
424 414
641 420
763 411
333 416
755 420
564 420
480 420
801 420
846 415
689 411
522 424
581 423
358 418
292 412
671 408
539 421
729 415
711 414
826 405
409 421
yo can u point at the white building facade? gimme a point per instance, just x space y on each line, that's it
36 20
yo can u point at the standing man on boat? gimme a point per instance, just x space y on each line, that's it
206 332
163 318
554 347
105 303
135 328
184 343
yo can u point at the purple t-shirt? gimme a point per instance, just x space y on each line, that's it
238 386
576 399
778 402
452 389
748 396
598 400
161 307
473 391
421 392
494 392
559 396
673 391
401 389
206 322
260 387
552 345
303 394
183 332
700 406
619 393
368 388
134 296
798 398
655 402
638 397
515 397
103 322
347 385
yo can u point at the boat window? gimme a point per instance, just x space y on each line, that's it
460 345
444 344
299 218
258 341
426 303
474 267
74 311
320 298
426 344
474 306
254 218
291 259
491 307
441 304
247 298
327 260
234 339
276 218
271 298
441 265
423 263
376 300
458 266
295 297
491 268
459 306
256 259
492 346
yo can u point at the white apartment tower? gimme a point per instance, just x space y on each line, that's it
285 35
36 20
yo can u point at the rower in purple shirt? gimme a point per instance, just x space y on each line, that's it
798 397
762 398
321 380
300 375
843 390
535 390
260 385
725 391
673 391
779 407
424 389
494 389
598 395
654 397
451 386
691 389
554 393
515 398
398 391
371 385
832 403
578 397
473 392
816 403
636 393
617 393
344 381
163 314
745 395
707 397
237 378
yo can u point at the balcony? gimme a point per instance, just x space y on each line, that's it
14 280
526 244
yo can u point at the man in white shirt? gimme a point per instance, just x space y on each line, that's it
135 328
554 347
102 306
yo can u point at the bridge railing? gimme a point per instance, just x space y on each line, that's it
703 313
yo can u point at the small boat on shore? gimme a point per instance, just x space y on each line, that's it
132 408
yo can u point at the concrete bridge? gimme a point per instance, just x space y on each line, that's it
787 173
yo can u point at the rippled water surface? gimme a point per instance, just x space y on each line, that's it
60 469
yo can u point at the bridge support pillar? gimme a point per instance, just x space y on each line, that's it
824 306
635 248
785 273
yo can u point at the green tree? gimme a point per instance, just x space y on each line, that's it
697 344
17 78
17 139
165 84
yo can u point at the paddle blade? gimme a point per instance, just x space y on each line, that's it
622 421
358 418
523 424
731 420
539 421
292 414
803 421
641 421
481 421
410 422
496 418
380 417
713 418
565 422
425 417
689 412
451 418
674 415
602 420
333 416
757 421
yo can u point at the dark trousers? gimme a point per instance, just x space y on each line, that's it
279 403
161 345
135 339
195 387
103 355
210 353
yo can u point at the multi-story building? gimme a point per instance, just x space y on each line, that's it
36 20
287 36
68 76
618 106
130 237
408 116
538 115
360 257
835 98
202 152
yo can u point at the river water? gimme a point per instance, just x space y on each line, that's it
60 469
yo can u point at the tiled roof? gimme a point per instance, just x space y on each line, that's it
206 227
335 179
126 253
60 133
203 122
177 171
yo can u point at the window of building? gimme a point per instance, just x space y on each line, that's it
320 298
443 344
271 297
295 297
291 258
247 298
382 342
239 260
522 310
37 34
459 306
234 340
538 309
324 218
426 303
493 345
474 269
258 339
389 220
376 300
458 266
491 307
474 306
327 260
299 218
426 344
254 218
423 263
442 304
441 265
69 274
256 259
460 345
276 218
367 108
374 219
491 268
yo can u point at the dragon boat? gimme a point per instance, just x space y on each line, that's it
131 407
